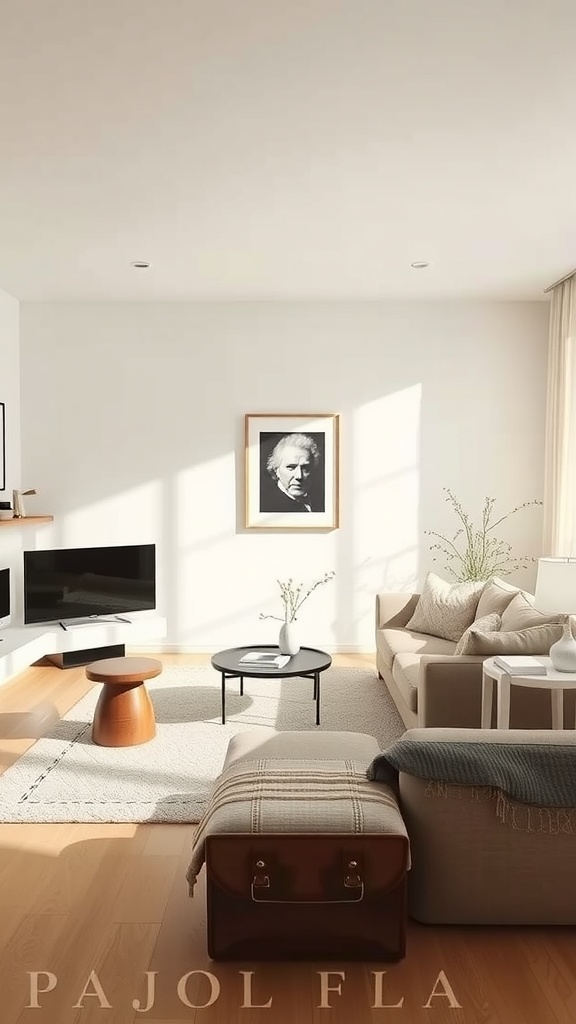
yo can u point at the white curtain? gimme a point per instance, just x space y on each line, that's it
560 452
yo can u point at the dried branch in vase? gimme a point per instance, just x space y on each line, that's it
294 595
472 553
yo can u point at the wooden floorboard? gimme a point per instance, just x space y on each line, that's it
102 906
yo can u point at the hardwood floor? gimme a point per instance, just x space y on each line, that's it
93 908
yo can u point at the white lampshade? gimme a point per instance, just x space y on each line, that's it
556 593
556 586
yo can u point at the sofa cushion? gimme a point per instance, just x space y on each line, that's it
445 609
406 672
534 640
496 596
391 642
521 615
266 742
487 624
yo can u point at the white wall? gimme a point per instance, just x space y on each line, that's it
10 538
132 430
10 389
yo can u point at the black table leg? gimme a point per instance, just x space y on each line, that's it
223 698
317 688
241 686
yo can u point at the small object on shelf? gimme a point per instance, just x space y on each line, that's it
265 659
6 514
520 665
17 498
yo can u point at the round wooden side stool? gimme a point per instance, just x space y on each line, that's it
124 715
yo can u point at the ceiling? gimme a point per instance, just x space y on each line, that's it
286 149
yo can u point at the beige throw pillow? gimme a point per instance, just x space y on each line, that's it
521 615
487 624
534 640
495 597
445 609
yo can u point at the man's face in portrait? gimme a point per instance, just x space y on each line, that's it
294 471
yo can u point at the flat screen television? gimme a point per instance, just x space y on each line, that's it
4 597
67 584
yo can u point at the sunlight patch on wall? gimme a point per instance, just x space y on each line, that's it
386 490
205 502
204 542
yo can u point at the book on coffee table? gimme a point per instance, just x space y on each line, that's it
520 665
264 659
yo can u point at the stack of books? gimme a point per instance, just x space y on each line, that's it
520 665
265 659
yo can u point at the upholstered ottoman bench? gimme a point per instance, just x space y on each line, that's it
305 858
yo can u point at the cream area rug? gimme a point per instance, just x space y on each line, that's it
64 777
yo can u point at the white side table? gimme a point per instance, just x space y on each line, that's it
550 679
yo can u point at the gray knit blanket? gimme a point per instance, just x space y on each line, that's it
530 773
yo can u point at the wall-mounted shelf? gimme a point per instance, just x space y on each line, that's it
22 520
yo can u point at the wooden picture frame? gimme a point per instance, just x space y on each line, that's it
292 471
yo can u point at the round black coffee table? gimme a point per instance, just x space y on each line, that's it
307 664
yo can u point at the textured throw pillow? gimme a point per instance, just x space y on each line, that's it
487 624
445 609
521 615
534 640
495 597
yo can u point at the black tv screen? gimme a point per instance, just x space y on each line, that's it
76 583
4 597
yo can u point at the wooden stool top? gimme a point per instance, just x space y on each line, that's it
123 670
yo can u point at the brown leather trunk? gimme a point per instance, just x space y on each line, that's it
308 896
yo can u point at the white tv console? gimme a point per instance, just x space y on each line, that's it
21 646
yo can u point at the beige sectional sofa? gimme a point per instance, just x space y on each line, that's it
432 686
475 863
471 863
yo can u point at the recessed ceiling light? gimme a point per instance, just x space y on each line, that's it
140 264
419 264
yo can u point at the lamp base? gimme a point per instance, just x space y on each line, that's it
563 652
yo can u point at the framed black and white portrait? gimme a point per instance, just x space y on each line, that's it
292 464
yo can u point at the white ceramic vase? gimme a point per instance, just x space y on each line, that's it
563 652
288 640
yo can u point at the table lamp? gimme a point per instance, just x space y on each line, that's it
556 593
